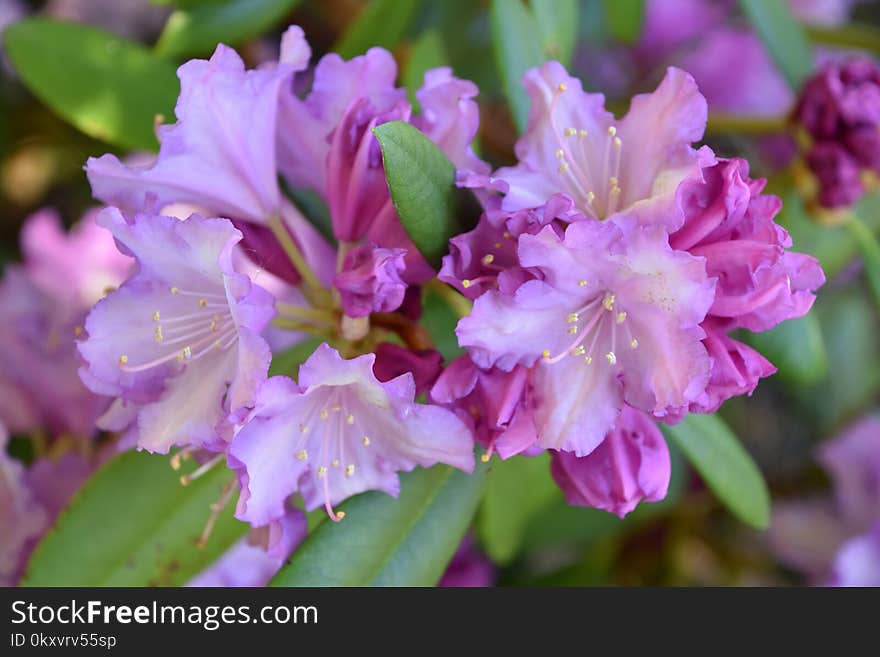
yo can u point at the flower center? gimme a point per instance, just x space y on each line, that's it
596 183
587 325
189 336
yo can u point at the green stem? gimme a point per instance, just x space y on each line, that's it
295 312
312 289
459 303
749 125
870 249
291 325
859 37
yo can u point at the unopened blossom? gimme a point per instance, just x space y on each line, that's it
574 146
338 432
179 343
629 466
370 281
393 360
839 108
612 316
760 282
469 568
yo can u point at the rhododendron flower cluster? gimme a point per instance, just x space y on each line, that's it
603 289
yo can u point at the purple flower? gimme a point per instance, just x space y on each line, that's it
840 108
250 561
22 519
612 316
393 360
469 568
575 147
858 561
338 433
629 466
729 223
369 280
180 340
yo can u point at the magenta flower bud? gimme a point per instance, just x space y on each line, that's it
469 568
629 466
393 360
838 173
370 280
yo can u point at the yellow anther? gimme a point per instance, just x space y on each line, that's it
488 259
546 353
159 336
612 131
340 514
366 441
560 154
588 359
323 414
349 419
579 350
336 408
573 317
572 330
203 303
613 181
216 344
617 143
349 470
156 316
187 352
302 455
322 471
634 343
570 132
621 316
123 359
608 302
507 235
562 86
485 458
335 463
303 428
77 331
612 359
180 358
591 197
497 245
563 167
582 134
582 283
175 290
466 283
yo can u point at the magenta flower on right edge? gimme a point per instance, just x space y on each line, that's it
615 303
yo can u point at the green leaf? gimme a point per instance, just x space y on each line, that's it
198 30
870 250
109 88
288 362
514 32
796 347
783 36
134 524
516 490
558 23
725 466
624 18
385 541
440 320
380 23
427 53
421 180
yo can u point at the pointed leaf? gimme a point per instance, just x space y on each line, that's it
624 18
380 23
783 36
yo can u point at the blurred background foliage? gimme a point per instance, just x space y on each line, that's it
829 362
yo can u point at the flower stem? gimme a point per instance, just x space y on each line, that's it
304 313
859 37
313 290
291 325
749 125
459 303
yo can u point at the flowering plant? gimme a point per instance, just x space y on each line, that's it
320 321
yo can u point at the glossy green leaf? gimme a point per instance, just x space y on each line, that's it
383 541
427 52
380 23
783 36
421 180
517 49
109 88
796 347
725 466
440 320
198 30
558 23
516 490
134 524
870 250
624 18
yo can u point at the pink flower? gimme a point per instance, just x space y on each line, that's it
612 316
338 433
370 281
630 466
178 343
